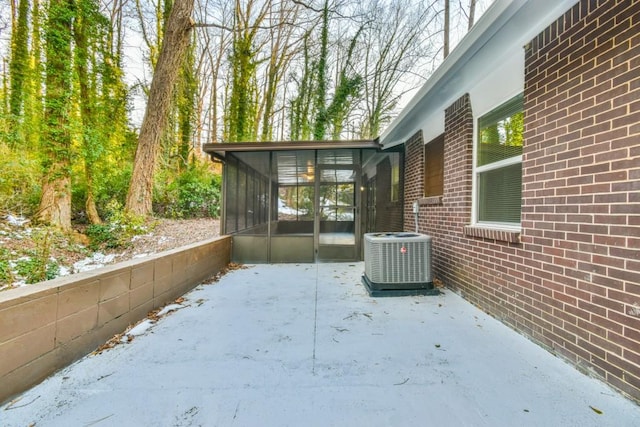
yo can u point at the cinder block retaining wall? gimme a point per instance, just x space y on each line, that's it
46 326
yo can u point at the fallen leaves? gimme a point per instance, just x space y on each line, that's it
152 317
596 410
232 266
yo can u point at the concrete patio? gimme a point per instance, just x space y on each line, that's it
290 345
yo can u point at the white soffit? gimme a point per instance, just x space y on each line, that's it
507 23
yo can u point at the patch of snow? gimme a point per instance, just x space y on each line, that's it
170 308
284 209
141 236
141 255
63 271
17 221
138 330
97 260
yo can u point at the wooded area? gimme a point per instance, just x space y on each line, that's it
71 148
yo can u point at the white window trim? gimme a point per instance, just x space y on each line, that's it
476 170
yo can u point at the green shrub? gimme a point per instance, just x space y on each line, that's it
19 181
118 230
195 193
37 265
35 269
6 276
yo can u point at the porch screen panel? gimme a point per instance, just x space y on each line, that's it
231 197
253 191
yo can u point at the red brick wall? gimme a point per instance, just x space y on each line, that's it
581 186
573 284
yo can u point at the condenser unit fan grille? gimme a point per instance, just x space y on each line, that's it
398 260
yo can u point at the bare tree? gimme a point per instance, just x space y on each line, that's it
400 42
283 44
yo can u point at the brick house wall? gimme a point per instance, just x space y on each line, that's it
571 279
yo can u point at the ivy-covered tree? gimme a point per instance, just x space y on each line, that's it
320 95
18 70
241 122
56 149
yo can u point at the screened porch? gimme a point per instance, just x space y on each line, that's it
303 202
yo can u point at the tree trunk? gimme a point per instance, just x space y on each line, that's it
87 106
174 46
18 68
472 13
447 13
55 203
90 203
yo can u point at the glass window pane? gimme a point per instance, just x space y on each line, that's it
501 133
500 194
295 203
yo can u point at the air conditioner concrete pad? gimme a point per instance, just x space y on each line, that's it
375 291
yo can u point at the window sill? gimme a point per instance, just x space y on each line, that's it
428 201
487 232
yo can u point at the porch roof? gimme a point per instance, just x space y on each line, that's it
219 149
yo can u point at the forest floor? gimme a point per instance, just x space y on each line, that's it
28 250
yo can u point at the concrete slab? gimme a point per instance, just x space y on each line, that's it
290 345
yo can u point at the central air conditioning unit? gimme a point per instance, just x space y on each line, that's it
398 264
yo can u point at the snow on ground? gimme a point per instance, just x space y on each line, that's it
96 260
16 221
291 345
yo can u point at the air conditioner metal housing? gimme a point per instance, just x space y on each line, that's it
397 263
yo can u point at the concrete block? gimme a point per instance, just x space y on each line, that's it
109 329
162 267
142 274
24 294
33 314
162 285
113 309
180 262
76 324
140 312
28 375
26 347
114 284
73 299
141 295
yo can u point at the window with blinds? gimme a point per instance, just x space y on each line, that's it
498 165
